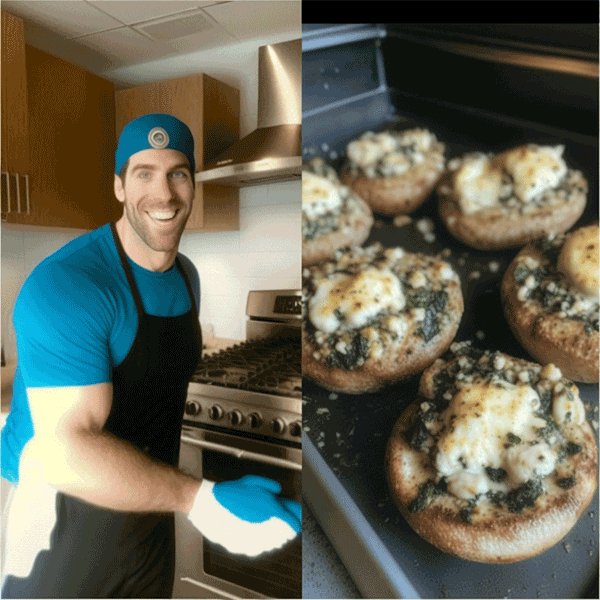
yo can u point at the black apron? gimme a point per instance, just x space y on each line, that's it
99 553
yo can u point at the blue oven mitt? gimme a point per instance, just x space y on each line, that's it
246 516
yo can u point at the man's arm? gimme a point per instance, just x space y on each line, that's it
71 452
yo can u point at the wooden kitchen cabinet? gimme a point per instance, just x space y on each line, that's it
58 126
15 140
211 109
71 145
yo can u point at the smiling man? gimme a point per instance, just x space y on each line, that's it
108 337
156 185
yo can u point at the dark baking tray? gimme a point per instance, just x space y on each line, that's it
346 435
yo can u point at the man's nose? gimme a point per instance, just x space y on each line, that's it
162 187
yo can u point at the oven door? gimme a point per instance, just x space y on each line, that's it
207 570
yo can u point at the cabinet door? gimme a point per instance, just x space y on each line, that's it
15 141
71 145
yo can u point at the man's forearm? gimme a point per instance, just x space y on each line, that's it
104 470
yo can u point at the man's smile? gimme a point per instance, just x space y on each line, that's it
163 216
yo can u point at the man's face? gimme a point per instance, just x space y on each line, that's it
157 193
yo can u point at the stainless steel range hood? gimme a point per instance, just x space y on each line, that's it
272 152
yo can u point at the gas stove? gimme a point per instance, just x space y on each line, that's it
269 365
255 387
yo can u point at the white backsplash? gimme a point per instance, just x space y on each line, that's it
264 254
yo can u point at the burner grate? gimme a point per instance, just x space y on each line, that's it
271 366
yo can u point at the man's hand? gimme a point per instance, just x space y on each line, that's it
245 516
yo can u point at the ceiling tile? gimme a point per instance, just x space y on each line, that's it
57 45
249 19
125 47
69 18
130 12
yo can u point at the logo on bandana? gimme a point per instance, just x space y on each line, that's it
158 138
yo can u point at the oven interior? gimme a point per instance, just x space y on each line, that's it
476 87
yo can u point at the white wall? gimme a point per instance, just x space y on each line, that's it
22 249
264 254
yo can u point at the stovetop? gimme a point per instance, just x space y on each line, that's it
268 366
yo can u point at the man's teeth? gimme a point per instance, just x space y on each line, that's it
163 216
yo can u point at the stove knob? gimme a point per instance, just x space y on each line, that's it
254 420
236 417
215 412
278 425
192 408
296 428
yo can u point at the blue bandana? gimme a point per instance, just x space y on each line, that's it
154 131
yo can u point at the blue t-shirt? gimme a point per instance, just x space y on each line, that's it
75 320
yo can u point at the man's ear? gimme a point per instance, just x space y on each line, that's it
119 191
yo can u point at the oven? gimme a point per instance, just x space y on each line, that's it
243 416
480 87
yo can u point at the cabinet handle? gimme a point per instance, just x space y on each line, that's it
18 187
7 191
4 214
17 177
26 176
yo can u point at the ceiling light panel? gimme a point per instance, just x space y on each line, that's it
186 32
182 25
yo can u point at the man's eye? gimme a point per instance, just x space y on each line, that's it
179 174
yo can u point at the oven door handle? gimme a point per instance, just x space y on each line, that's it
243 454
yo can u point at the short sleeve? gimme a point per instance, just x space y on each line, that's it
63 327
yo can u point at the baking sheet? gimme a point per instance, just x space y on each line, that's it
350 432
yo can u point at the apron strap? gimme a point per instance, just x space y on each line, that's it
128 272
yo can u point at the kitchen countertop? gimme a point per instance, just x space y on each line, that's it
323 573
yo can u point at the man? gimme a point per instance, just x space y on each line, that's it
108 338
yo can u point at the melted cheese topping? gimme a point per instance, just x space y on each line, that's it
474 436
534 168
388 148
396 163
578 260
350 302
370 148
422 138
524 462
568 408
477 183
319 195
